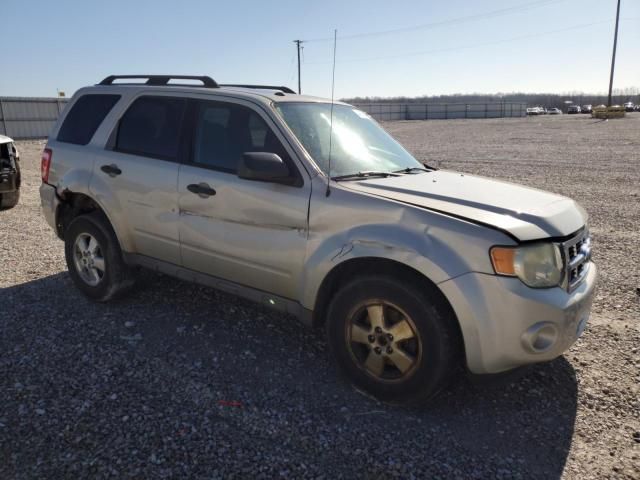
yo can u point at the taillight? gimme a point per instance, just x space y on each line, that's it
45 164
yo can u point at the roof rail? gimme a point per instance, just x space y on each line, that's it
259 87
163 79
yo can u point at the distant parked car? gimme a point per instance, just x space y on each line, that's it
586 109
629 107
536 111
574 109
554 111
9 173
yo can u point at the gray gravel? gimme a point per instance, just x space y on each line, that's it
183 381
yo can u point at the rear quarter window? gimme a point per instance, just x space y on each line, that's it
84 118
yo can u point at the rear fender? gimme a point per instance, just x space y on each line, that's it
104 195
81 181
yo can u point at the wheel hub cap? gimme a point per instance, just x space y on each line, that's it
383 341
88 259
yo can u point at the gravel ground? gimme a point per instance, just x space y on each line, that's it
182 381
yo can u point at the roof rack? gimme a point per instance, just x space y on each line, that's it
207 82
259 87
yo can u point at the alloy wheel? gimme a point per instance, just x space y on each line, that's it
89 259
383 341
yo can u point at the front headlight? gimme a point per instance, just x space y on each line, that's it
537 265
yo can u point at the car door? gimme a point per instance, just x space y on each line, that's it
138 175
249 232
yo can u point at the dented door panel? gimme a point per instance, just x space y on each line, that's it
252 233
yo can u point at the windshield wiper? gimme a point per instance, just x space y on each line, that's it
355 176
411 169
426 168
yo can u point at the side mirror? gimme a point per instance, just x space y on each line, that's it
264 167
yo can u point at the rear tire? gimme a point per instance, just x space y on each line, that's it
392 340
94 258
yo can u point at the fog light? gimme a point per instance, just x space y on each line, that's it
540 337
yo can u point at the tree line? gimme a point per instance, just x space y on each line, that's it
619 96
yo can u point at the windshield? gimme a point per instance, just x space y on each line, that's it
358 143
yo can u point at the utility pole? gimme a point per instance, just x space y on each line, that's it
298 46
613 57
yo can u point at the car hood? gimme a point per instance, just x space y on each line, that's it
5 139
525 213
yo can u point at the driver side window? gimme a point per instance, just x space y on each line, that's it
225 131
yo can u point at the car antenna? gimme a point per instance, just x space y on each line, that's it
333 84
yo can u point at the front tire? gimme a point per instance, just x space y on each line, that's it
94 258
391 339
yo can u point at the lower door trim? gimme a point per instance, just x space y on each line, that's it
275 302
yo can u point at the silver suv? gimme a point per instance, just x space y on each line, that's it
311 208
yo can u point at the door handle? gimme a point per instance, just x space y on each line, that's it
202 189
111 170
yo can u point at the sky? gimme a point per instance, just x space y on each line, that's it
384 48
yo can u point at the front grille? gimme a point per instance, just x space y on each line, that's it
577 253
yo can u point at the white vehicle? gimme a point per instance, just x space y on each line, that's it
9 173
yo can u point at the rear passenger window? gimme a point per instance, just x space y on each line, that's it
151 127
225 131
84 118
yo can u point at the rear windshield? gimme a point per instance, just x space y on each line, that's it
84 118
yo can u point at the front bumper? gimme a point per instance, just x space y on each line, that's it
506 324
49 201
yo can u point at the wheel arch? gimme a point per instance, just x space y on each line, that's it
73 204
347 270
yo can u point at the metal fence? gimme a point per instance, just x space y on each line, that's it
29 117
442 111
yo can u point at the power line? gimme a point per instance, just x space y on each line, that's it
291 70
451 21
475 45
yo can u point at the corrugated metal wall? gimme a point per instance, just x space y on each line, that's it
25 117
436 111
29 117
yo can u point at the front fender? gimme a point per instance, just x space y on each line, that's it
347 225
418 250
